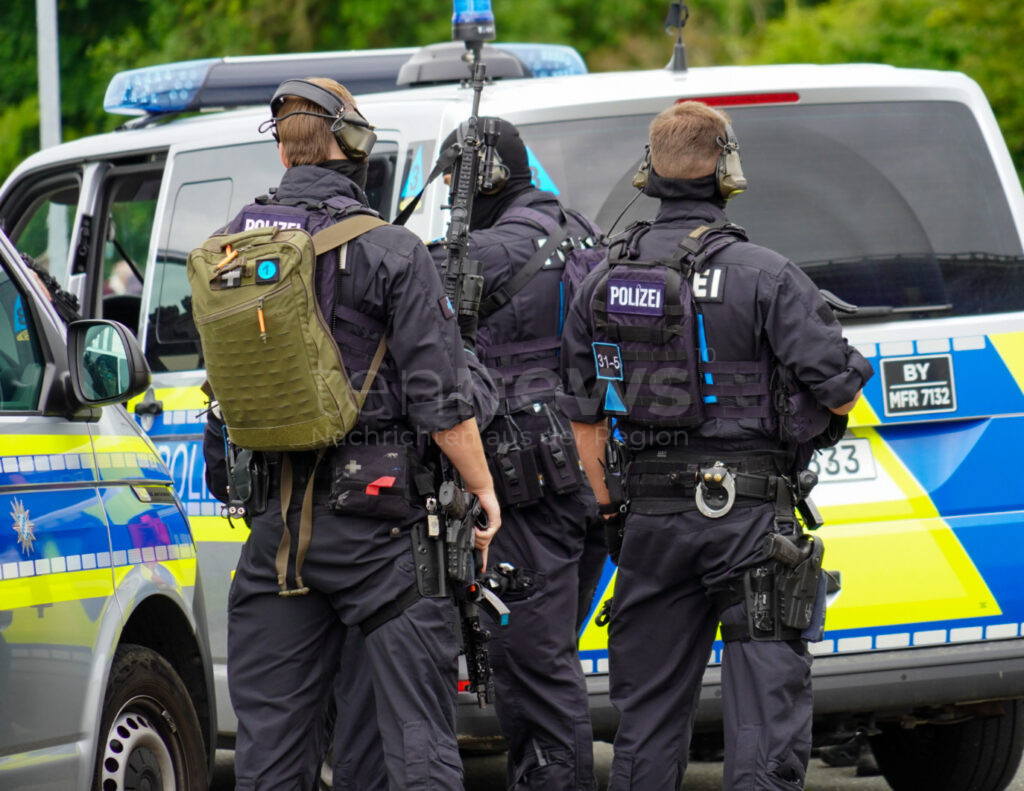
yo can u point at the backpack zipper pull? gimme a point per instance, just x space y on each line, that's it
263 323
231 255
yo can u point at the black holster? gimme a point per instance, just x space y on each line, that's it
248 483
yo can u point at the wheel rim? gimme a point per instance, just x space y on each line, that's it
136 755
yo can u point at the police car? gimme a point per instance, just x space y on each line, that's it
105 672
891 187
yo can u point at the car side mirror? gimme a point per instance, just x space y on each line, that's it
107 365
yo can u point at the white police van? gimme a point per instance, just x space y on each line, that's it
106 680
892 188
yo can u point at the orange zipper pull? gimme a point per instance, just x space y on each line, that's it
263 323
231 256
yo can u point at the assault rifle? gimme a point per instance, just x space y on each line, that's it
462 513
463 279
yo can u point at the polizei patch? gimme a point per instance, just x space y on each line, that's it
266 220
634 296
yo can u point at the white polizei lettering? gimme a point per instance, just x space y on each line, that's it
251 223
635 297
700 285
716 283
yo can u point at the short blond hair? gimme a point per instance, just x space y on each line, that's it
684 140
308 140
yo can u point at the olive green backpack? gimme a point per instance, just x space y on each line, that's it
270 358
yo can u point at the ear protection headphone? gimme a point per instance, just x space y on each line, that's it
729 170
499 170
352 131
729 177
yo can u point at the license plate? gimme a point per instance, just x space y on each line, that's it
847 460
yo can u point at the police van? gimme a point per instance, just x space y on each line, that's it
105 672
892 188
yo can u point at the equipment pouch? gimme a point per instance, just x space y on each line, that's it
559 460
560 463
517 481
371 480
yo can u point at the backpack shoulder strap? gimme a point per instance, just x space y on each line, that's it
527 216
344 231
705 241
518 281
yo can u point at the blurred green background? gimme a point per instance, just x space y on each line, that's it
101 37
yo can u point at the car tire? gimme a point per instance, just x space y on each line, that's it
981 754
149 732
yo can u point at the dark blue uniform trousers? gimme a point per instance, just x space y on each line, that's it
661 632
284 653
541 693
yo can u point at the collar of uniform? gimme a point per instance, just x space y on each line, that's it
676 209
312 182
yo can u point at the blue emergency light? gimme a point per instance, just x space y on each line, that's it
157 89
472 20
547 60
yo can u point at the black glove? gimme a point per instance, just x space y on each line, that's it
467 329
613 531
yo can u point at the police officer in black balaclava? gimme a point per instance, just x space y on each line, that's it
541 700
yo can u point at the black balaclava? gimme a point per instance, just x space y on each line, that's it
488 208
704 188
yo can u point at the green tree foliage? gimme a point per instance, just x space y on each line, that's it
980 39
101 37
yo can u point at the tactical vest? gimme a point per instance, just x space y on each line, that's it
269 353
557 249
650 348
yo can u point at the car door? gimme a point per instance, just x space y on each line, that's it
56 575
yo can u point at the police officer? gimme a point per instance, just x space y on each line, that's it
694 542
283 651
523 236
357 758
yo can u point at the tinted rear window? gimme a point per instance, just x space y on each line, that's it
895 205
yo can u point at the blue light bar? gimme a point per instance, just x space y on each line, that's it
547 60
157 89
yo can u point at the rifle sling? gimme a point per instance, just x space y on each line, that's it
518 281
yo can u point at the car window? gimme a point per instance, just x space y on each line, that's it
21 363
890 205
130 209
45 221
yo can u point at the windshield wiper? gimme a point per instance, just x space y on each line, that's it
877 311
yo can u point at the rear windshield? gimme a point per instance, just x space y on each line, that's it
895 207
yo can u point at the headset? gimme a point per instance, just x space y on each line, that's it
729 177
352 131
499 170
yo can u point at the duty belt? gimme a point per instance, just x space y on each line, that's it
669 482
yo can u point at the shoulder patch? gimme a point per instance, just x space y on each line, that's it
709 284
447 310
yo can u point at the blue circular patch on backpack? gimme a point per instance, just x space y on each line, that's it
267 270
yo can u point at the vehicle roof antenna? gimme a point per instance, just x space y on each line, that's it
678 14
